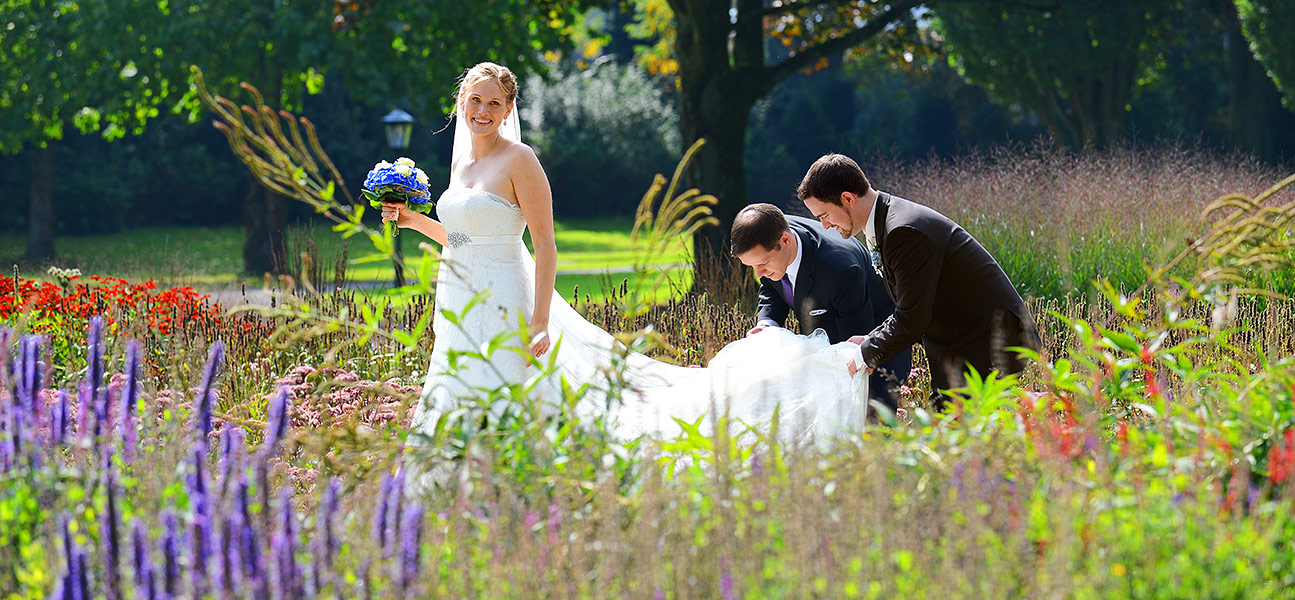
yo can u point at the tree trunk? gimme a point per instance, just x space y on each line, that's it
41 222
265 247
264 244
712 105
717 168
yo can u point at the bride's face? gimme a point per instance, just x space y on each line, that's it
485 106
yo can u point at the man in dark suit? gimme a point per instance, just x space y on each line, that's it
949 292
827 281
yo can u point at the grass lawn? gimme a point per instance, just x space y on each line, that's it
590 253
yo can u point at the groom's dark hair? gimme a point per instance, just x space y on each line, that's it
757 225
831 175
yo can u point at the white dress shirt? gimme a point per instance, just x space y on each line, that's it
870 228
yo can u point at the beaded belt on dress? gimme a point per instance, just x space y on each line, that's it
456 239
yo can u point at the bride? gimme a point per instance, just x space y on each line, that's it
491 293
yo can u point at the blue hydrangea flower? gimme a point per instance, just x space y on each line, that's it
398 182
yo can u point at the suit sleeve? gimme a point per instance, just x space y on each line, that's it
771 306
914 260
852 302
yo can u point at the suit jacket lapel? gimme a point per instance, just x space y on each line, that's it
879 227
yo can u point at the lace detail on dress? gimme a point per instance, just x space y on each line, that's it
456 239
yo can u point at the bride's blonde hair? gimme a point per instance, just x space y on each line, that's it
488 70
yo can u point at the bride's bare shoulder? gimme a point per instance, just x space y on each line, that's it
521 156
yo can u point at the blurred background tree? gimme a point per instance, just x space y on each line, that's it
1269 26
84 59
89 65
1076 64
612 93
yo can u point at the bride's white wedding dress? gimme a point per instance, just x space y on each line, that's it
484 292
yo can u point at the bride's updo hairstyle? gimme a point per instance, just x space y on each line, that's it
488 70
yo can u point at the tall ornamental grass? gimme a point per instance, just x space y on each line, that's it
1058 221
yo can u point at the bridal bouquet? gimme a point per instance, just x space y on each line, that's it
399 182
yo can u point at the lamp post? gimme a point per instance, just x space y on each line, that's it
399 126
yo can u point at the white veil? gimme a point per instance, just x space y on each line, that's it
802 378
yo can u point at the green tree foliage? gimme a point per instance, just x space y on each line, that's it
87 64
405 53
729 55
109 66
1269 25
1075 64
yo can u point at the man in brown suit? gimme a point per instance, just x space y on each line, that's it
949 293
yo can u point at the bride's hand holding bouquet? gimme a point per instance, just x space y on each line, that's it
392 186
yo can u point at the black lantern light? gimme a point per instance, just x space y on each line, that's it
400 126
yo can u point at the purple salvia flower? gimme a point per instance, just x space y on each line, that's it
170 555
85 404
394 497
276 423
129 397
100 416
109 532
61 591
411 545
230 563
13 432
380 512
6 439
284 547
6 368
725 579
31 375
94 355
58 420
144 581
248 547
25 403
200 504
231 457
206 394
325 535
95 397
658 594
81 576
555 518
72 574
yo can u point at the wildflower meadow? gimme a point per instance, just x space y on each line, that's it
156 445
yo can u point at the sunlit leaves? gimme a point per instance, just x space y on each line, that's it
1269 26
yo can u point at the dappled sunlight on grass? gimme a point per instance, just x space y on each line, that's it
592 255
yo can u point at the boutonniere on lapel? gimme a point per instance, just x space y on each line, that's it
876 261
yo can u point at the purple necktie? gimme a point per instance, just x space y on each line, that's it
786 290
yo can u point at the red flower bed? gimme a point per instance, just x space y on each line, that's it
163 310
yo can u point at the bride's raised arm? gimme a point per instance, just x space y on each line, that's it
536 201
408 219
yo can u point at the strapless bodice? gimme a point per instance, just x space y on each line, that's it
477 217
